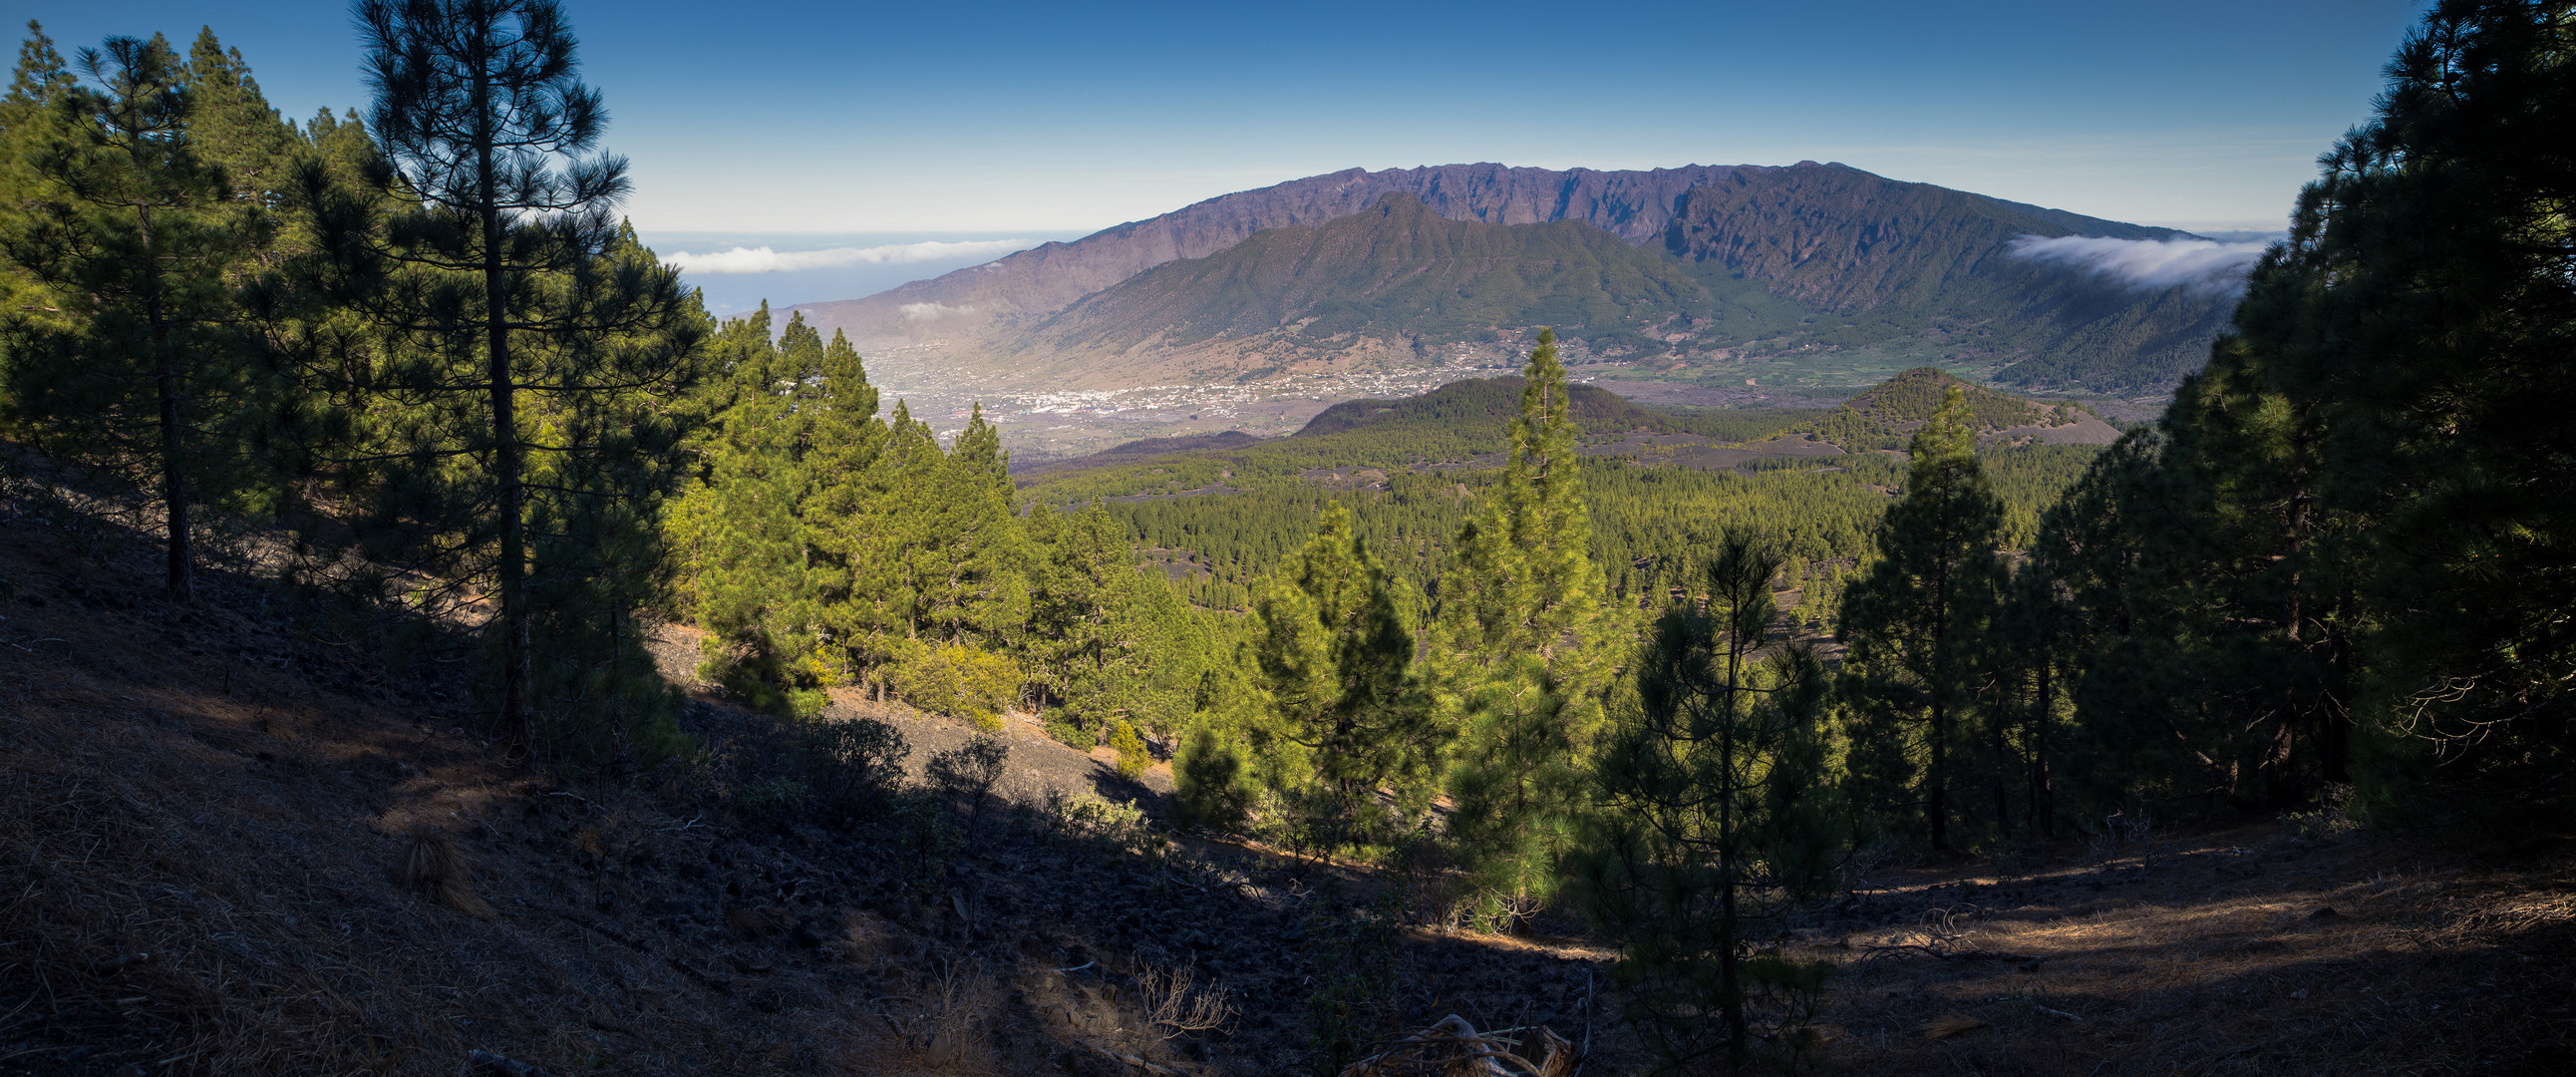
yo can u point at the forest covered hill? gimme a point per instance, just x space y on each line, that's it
1662 486
1481 403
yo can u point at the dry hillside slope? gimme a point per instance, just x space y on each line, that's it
234 842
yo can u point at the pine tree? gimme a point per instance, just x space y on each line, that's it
742 533
233 127
1109 642
2419 321
1335 654
509 325
143 375
1917 621
1519 645
883 540
2030 662
973 582
1713 814
935 564
783 470
2352 522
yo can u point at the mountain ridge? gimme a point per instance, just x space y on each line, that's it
1386 285
1638 206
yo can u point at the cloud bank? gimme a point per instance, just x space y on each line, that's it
930 312
2197 264
766 260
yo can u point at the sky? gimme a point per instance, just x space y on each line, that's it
821 126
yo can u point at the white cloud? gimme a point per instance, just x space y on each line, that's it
764 259
930 312
2198 264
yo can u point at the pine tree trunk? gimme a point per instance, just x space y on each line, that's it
1729 988
1935 796
165 386
516 721
1995 719
2043 806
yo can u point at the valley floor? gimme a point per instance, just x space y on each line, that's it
221 832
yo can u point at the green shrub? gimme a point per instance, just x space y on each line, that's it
1086 815
787 686
1069 734
1352 955
927 838
853 766
1133 757
770 799
1212 789
957 680
969 772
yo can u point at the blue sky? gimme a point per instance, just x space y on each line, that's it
998 119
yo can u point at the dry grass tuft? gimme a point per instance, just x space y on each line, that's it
1951 1024
942 1018
435 866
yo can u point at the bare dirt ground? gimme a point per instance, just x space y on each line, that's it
2248 950
233 841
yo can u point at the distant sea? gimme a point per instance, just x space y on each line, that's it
736 270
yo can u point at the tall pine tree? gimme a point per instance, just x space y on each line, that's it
2350 542
144 376
1335 653
513 317
1713 814
1917 621
1518 641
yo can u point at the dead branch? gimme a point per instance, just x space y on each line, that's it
1176 1004
1452 1046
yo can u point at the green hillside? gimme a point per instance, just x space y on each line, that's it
1888 260
1399 270
1844 240
1453 424
1221 515
1812 265
1883 417
1480 403
1458 423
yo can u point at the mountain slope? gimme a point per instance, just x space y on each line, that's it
1466 424
1841 239
1635 205
1256 309
1399 271
1941 264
